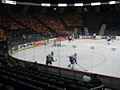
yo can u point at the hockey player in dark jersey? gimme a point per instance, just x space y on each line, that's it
49 58
72 60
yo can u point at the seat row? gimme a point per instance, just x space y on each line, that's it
52 80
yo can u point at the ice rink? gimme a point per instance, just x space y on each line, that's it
93 55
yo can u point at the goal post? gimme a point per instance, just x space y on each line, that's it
56 43
58 40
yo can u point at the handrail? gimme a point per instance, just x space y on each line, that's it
98 87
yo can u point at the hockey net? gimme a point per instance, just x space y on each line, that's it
56 43
58 40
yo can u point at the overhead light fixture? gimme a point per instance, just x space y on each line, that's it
3 1
95 3
46 4
78 4
112 2
62 5
9 2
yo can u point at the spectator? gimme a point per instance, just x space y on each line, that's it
95 80
35 66
86 78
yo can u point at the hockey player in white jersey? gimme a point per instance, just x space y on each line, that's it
94 36
70 38
109 39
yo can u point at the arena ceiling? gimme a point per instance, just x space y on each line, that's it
63 1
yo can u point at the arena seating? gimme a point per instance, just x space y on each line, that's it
112 29
94 21
53 22
6 21
30 22
2 35
72 20
16 77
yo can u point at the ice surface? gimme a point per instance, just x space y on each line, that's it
93 55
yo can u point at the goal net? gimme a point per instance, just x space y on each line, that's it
56 43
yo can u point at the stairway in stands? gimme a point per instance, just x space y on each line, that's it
102 30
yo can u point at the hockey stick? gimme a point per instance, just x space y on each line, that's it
82 67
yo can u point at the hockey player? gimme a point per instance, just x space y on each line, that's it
69 38
94 36
72 60
109 39
49 58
